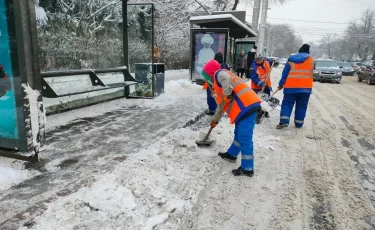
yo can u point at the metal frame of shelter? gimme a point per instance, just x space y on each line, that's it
237 30
97 84
20 16
239 43
153 71
21 20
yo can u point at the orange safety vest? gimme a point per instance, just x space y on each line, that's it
262 74
243 93
301 75
205 86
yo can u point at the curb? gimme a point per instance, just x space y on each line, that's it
194 120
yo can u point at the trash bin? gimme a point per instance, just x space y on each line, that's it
143 73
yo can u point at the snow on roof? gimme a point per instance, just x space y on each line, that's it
221 17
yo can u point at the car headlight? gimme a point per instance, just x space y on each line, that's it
338 73
316 71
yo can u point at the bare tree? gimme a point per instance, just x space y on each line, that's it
283 40
328 44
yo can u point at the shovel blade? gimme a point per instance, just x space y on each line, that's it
273 102
204 142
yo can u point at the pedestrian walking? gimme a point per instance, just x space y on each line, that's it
250 59
241 63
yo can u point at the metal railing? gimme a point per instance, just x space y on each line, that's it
48 92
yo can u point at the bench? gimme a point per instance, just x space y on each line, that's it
97 84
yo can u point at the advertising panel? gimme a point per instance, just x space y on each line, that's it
8 117
205 45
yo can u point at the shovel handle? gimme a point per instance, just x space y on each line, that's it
275 92
208 134
268 76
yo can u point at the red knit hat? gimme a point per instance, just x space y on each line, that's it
210 69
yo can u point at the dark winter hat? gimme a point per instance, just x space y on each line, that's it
259 58
305 48
255 47
219 57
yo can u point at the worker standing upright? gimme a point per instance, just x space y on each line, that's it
259 71
250 60
297 81
235 97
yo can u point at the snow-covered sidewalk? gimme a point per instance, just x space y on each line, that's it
157 185
133 164
97 144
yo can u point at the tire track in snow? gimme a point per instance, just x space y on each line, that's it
342 187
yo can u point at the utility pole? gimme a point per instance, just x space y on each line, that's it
262 27
256 11
268 41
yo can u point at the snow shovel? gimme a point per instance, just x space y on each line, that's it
273 102
205 141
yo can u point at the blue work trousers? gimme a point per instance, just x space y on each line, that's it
301 100
211 102
243 141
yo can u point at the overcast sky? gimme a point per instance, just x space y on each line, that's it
339 11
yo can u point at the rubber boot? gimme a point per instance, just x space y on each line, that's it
242 172
281 125
209 112
228 157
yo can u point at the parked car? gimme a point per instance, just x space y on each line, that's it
276 60
367 72
327 70
346 68
356 66
283 61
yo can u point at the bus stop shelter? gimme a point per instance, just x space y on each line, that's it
236 29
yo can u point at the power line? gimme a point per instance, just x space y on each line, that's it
362 3
317 28
287 19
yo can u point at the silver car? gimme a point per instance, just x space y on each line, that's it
346 68
327 70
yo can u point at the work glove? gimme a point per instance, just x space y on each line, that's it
230 97
262 84
280 87
214 124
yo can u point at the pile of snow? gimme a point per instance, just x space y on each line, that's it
12 172
157 186
176 74
175 91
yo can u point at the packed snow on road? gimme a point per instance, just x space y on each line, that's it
317 177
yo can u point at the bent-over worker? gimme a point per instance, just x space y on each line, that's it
235 97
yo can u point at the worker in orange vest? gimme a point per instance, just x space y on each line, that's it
235 97
210 100
297 81
259 72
